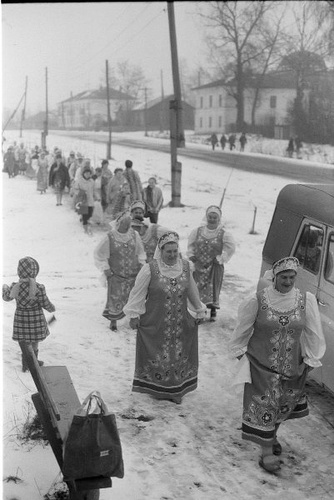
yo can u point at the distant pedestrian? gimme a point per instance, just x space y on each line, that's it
299 145
214 141
30 325
134 181
290 149
9 162
84 191
243 141
231 141
153 198
113 188
59 178
223 141
106 175
42 173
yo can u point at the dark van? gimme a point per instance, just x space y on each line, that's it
303 226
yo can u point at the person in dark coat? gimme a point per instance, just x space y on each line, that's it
223 141
242 140
9 162
298 144
290 149
30 325
59 178
231 140
214 141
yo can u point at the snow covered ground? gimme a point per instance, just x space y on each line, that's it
188 452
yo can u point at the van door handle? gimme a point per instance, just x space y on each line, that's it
323 304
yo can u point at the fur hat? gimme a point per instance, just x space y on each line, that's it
128 163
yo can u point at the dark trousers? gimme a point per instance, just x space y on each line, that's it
86 217
153 217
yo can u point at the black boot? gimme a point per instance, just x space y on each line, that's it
213 314
113 325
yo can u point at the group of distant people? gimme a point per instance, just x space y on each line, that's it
231 140
294 146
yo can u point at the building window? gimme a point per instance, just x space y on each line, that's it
220 100
201 102
201 123
210 101
220 122
210 122
273 101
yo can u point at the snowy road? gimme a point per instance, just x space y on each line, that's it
188 452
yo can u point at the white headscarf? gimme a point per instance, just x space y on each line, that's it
171 271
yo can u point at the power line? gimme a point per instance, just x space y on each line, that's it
111 41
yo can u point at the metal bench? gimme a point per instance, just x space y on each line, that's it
56 402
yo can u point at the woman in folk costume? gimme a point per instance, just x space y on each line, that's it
42 173
209 248
278 339
119 256
149 233
167 335
134 181
29 321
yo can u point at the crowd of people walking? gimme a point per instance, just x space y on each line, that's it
166 296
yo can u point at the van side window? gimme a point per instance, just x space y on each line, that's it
309 248
329 263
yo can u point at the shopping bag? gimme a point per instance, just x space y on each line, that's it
81 209
92 447
97 213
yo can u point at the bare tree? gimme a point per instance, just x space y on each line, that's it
237 41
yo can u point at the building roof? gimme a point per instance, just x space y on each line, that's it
274 80
101 93
154 102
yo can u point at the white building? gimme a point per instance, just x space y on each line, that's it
216 109
88 109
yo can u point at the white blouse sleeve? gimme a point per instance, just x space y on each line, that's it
194 302
312 339
228 248
102 254
191 243
243 330
137 298
140 251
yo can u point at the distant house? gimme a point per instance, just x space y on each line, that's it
155 114
216 108
88 109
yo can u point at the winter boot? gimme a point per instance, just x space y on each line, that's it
24 364
113 325
213 314
41 363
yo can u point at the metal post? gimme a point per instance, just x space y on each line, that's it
108 111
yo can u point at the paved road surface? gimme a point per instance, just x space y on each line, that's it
290 168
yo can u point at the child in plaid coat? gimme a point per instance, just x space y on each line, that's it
30 324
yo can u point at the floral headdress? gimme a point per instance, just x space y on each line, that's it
285 264
170 237
137 204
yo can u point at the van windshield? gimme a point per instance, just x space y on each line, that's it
309 248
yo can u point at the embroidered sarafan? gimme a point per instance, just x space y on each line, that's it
277 369
167 345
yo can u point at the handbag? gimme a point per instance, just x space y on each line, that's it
81 209
93 447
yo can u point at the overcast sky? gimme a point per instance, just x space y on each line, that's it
73 40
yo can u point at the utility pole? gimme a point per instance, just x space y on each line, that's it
162 103
24 107
46 122
108 112
176 118
145 116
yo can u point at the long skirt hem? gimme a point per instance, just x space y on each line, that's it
160 392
